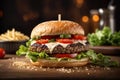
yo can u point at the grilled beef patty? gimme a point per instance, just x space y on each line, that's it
71 48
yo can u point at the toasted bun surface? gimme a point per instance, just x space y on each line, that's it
57 28
56 64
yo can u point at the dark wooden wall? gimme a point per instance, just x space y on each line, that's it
23 15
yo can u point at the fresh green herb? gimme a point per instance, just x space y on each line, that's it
51 40
29 42
37 37
115 39
98 59
65 36
104 37
22 50
34 56
81 55
43 55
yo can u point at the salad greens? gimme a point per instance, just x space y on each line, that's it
96 59
104 37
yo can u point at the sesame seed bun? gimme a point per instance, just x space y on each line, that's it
57 28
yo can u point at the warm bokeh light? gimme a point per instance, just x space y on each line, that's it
85 19
79 3
95 18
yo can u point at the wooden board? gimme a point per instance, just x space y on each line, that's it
10 69
110 50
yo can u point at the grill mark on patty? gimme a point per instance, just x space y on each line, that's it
72 48
39 48
58 49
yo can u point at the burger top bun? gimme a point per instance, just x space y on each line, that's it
57 28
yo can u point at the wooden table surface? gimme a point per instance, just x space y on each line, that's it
14 67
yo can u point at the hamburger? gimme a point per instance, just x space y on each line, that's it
56 44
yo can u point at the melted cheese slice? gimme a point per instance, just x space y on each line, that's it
33 42
52 45
80 41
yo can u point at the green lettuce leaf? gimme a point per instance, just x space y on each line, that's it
98 59
104 37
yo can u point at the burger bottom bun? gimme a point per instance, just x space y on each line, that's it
58 64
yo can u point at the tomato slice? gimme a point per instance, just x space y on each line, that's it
65 40
2 53
42 41
81 37
65 55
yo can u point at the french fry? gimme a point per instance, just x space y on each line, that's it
2 38
13 35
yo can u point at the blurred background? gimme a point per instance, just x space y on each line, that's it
24 15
